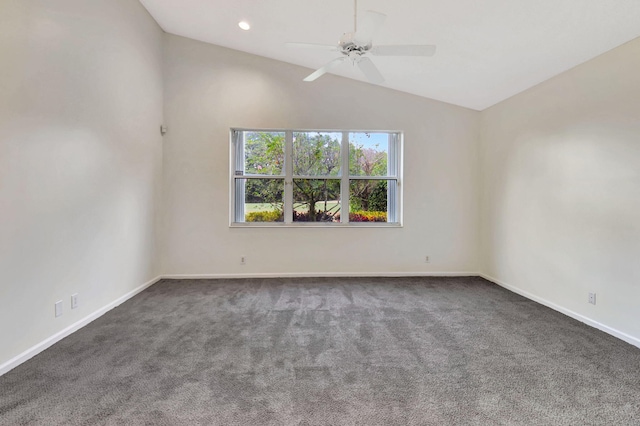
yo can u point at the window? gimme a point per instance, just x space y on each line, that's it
302 177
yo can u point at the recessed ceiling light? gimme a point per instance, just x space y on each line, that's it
244 25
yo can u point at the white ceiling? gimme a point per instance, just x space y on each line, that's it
488 50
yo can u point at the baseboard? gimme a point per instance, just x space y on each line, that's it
319 275
602 327
35 350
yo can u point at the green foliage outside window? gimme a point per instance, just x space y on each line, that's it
314 199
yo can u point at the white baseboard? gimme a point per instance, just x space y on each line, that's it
319 275
35 350
602 327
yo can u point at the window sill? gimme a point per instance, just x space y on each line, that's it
350 225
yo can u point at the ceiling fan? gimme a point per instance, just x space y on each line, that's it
357 44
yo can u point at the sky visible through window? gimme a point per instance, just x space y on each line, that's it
364 139
378 141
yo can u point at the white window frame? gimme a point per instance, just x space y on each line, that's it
394 192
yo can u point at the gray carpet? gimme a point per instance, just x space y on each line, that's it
366 351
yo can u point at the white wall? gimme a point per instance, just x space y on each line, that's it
80 157
209 89
560 209
549 200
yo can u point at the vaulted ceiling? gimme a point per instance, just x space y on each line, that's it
487 50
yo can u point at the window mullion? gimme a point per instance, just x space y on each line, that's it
246 176
344 181
365 177
239 184
288 180
392 185
392 159
318 177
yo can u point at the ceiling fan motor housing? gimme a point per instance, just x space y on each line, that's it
349 47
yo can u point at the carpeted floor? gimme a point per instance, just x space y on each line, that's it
365 351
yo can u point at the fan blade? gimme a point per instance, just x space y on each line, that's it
312 46
319 72
368 27
370 71
404 50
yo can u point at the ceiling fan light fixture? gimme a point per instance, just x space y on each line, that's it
244 25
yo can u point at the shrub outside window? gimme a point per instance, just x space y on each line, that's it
315 177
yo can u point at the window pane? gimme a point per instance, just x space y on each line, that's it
368 154
316 200
304 175
316 154
263 199
369 200
264 153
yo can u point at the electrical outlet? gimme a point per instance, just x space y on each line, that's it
243 260
427 260
74 301
592 298
58 308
